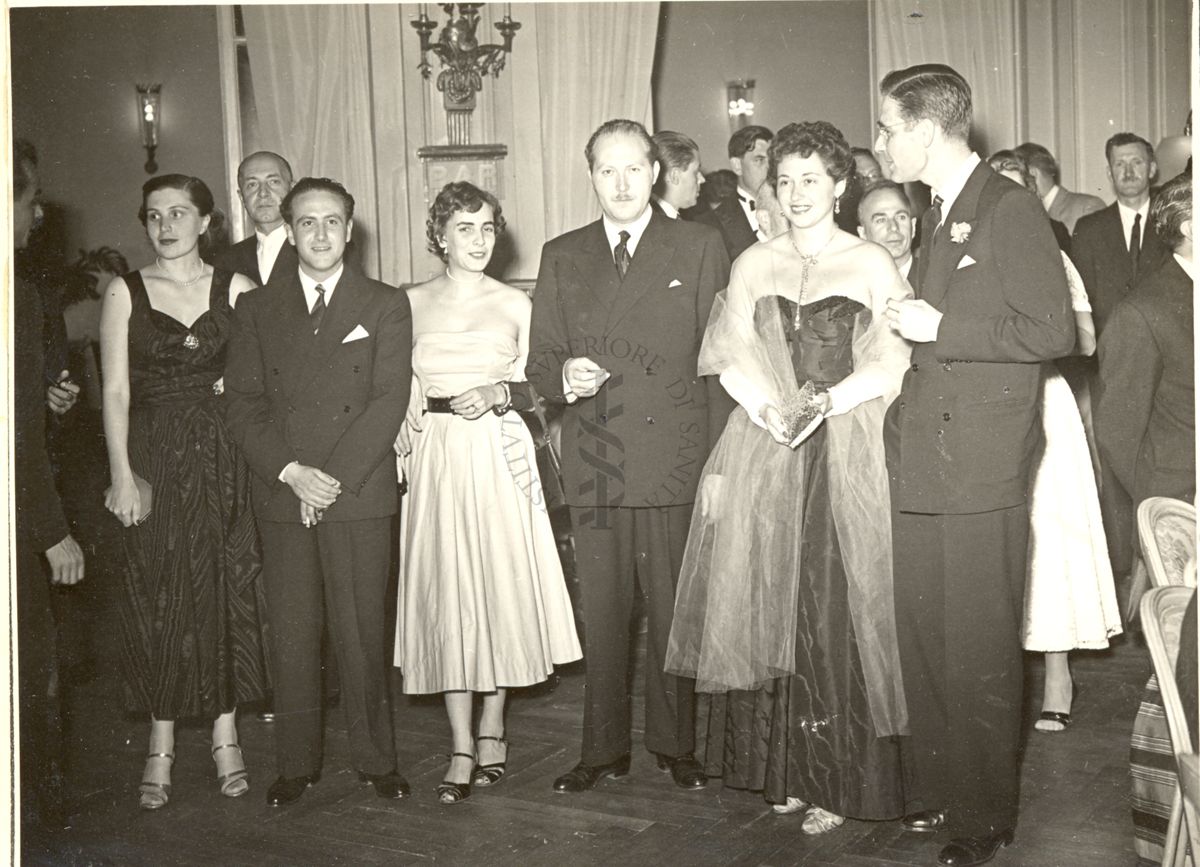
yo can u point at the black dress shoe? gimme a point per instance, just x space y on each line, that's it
584 776
925 822
285 790
969 851
685 771
390 785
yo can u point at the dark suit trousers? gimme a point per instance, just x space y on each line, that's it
40 708
342 568
616 550
960 589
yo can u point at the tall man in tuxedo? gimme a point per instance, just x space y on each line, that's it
619 311
317 380
734 217
1114 249
47 553
1060 203
264 178
960 438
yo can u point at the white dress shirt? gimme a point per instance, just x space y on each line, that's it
1048 199
1127 215
268 249
955 185
1186 264
748 207
669 211
905 267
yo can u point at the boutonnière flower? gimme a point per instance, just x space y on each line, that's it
960 233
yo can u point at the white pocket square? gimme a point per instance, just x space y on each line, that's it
965 261
357 334
673 284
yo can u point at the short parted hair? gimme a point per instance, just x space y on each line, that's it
818 137
882 185
620 126
1171 208
454 198
744 140
1011 161
931 91
284 163
675 150
1126 138
198 191
315 185
24 166
1038 157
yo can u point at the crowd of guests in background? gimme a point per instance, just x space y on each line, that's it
773 426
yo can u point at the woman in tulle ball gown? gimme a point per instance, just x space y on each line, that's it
483 606
784 609
1070 598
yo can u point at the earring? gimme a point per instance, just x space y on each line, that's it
837 206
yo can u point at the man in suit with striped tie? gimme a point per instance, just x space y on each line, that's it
317 379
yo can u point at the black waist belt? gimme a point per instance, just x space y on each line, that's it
438 404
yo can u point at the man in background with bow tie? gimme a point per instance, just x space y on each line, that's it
960 438
734 217
317 380
619 311
264 178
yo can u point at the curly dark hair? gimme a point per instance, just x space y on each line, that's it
1170 208
804 139
316 185
455 197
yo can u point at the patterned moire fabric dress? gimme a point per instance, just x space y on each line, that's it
482 600
192 607
808 735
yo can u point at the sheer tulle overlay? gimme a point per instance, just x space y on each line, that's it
482 600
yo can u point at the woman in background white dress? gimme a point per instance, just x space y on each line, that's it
483 605
1070 600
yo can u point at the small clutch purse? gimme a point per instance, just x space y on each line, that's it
143 489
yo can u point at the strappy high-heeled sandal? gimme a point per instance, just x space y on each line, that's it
453 793
153 795
235 783
490 774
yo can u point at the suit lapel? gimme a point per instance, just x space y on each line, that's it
943 252
645 271
295 331
597 270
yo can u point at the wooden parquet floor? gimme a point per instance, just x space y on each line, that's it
1075 787
1074 796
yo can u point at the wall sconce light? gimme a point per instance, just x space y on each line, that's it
741 102
149 115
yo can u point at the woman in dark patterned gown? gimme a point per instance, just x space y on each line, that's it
190 610
784 608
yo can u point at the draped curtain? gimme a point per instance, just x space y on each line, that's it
312 91
594 64
979 38
1064 73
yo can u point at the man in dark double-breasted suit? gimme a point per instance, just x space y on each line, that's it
619 311
318 378
993 304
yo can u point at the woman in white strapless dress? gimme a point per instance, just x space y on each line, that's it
483 605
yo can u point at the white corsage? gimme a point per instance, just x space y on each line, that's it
960 233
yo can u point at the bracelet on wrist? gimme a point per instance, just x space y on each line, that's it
506 404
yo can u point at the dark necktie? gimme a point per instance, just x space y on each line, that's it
1135 242
935 216
318 309
621 254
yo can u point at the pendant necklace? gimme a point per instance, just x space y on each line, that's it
807 261
184 283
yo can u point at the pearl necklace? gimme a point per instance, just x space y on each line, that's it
807 261
461 280
184 283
